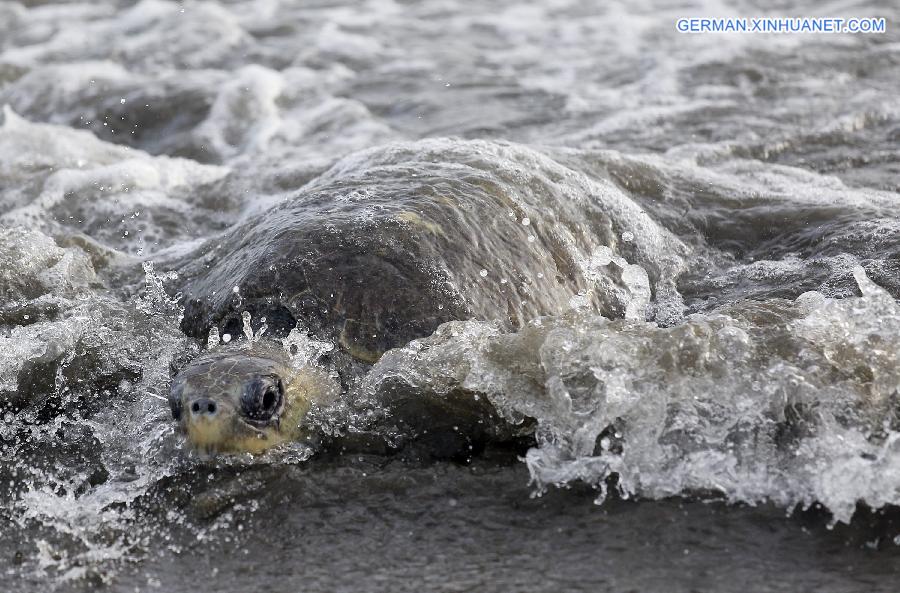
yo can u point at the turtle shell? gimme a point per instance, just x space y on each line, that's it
392 242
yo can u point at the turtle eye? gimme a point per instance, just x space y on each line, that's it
262 399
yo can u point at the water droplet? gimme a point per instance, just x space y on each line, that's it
526 221
483 273
628 237
226 338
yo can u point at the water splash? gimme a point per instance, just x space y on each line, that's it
305 349
633 294
213 340
783 401
154 300
251 336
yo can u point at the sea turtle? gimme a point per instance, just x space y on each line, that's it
382 249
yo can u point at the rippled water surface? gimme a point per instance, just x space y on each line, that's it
696 238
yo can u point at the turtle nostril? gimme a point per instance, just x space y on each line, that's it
204 407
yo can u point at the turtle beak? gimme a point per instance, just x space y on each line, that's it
209 430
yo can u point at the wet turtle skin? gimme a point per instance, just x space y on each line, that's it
394 241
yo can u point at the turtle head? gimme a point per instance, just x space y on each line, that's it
243 400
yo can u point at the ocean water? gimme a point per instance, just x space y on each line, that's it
717 409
